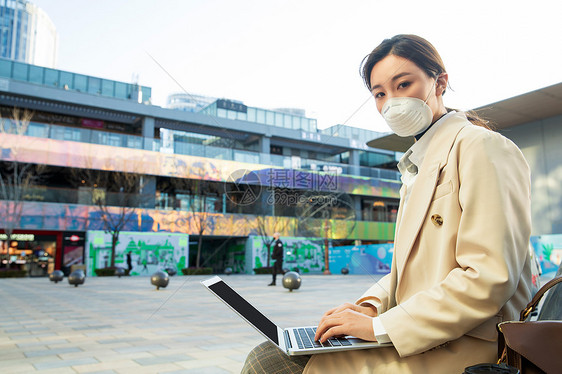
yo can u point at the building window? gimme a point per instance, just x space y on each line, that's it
252 114
66 133
107 87
80 83
279 119
36 74
66 80
51 77
120 90
38 130
6 68
269 118
276 150
296 123
260 115
20 71
94 85
379 210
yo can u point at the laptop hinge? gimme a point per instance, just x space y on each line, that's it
287 339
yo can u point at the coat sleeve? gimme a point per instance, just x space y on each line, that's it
490 249
378 295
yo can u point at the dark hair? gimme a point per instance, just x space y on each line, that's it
420 52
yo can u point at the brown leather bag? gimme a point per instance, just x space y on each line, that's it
532 346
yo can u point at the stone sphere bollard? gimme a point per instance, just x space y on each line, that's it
160 279
119 272
344 270
292 281
171 271
56 276
228 271
77 277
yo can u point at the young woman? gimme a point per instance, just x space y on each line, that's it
461 262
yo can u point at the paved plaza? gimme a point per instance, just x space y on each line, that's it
124 325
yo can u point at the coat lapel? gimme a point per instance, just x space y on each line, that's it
413 216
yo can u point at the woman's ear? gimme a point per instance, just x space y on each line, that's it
441 85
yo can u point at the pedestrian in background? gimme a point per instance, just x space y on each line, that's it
129 262
277 256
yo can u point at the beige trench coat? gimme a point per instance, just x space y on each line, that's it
461 262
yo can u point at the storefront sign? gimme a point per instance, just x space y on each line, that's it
19 237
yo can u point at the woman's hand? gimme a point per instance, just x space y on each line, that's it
347 319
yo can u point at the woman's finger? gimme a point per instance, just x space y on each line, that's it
325 324
339 308
327 319
336 330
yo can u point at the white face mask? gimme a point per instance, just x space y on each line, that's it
407 116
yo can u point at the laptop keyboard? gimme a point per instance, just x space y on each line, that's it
305 339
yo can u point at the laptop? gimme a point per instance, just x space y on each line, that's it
293 341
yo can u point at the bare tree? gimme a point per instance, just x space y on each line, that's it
327 215
265 226
200 221
116 195
199 195
16 177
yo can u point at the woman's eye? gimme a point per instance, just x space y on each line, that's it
378 95
403 84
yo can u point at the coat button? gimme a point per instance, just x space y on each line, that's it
437 220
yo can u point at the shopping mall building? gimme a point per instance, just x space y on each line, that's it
229 174
222 178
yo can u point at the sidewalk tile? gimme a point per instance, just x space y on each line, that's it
162 359
125 326
64 363
203 370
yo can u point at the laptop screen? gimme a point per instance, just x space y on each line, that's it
243 307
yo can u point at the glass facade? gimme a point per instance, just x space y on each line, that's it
194 145
237 111
43 130
278 202
350 132
379 209
374 209
14 20
188 102
71 81
26 33
378 159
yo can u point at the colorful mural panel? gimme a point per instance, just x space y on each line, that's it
235 258
149 251
303 254
327 182
307 256
64 217
362 259
549 251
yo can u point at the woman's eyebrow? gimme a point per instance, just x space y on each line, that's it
394 78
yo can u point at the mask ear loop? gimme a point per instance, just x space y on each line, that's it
432 87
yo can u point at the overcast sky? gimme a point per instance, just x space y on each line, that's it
306 54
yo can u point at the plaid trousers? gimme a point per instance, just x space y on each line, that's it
267 358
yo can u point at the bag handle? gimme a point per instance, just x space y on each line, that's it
524 314
537 298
